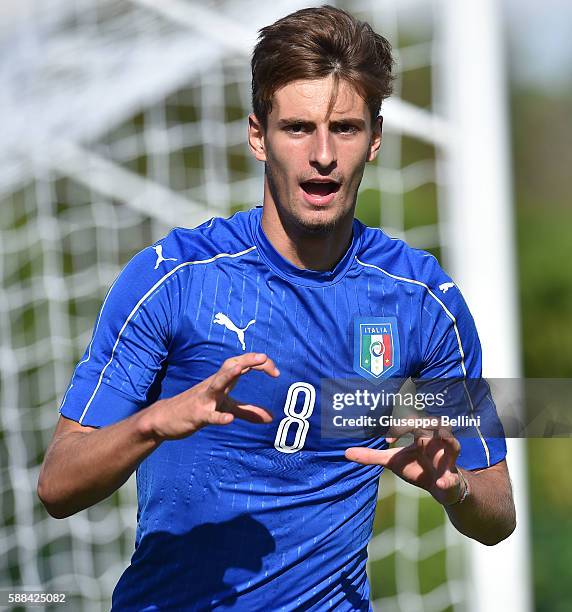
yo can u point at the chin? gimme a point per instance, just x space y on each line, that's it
317 223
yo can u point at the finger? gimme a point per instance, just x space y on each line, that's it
234 367
446 451
398 431
250 413
267 366
440 455
448 480
443 436
422 437
224 378
444 432
219 418
370 456
418 433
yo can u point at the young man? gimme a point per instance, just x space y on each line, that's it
241 501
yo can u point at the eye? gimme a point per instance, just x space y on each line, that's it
296 128
345 128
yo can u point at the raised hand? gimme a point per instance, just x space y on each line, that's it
209 402
428 462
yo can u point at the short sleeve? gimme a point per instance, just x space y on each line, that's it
130 341
452 366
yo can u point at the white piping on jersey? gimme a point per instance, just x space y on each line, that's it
136 307
460 344
89 346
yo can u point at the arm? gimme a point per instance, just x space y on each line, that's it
84 465
449 348
486 514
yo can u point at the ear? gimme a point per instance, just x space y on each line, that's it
375 142
256 138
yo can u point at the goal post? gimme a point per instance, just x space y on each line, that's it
480 252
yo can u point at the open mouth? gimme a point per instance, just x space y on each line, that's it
320 189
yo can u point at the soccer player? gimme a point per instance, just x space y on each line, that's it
204 370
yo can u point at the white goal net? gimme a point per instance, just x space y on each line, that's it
121 119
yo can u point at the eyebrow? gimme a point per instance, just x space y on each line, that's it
295 120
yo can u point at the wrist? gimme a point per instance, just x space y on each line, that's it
147 426
463 490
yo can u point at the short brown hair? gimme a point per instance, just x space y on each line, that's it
314 43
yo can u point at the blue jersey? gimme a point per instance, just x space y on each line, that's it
270 516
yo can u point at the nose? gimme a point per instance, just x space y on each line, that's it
323 152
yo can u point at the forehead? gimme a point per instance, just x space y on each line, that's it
310 99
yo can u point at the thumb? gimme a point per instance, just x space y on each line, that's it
369 456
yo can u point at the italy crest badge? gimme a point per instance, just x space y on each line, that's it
376 347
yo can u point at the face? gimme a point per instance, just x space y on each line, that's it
315 162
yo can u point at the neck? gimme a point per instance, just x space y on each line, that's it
301 247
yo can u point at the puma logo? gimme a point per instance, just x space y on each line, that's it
159 250
222 319
446 286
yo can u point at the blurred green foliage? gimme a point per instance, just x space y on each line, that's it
541 137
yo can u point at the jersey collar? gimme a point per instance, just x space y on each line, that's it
287 270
